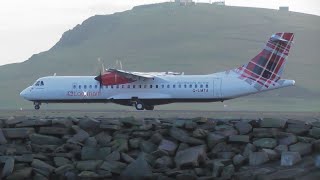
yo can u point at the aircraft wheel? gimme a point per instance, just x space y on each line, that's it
150 108
139 105
37 107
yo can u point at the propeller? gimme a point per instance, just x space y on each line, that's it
102 71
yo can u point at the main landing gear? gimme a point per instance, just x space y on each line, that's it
37 105
141 106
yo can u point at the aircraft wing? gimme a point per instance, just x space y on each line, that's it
132 75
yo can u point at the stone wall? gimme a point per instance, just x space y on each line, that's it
130 148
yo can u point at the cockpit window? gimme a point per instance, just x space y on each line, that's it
39 83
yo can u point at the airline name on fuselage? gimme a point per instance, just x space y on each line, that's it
84 93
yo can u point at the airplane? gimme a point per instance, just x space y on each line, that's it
145 90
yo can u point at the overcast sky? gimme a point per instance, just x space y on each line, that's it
31 26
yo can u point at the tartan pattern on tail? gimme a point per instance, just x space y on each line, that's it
266 68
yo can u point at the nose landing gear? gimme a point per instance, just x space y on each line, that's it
37 105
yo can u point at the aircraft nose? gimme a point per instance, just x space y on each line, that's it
24 93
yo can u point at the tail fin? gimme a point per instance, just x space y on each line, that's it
267 67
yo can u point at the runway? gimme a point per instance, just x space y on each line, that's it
304 116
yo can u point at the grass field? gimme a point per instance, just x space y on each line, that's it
197 39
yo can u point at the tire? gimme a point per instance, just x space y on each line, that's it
37 107
139 105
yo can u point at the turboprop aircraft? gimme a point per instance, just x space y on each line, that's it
146 90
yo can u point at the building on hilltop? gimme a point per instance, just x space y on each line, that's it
184 2
284 8
219 3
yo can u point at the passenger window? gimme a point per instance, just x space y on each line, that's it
185 86
190 86
162 86
145 86
157 86
79 86
96 86
128 86
179 85
90 86
74 86
117 86
150 86
140 86
174 86
112 86
133 86
201 86
85 86
207 86
195 86
122 86
168 86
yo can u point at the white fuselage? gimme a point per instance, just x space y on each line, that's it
162 89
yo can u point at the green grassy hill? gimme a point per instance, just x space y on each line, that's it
198 39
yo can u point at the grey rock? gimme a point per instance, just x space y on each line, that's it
238 160
217 168
138 169
156 138
53 130
213 139
243 127
265 132
298 129
8 167
179 123
64 122
89 123
227 132
79 137
88 174
17 132
239 138
119 144
104 174
221 147
183 136
272 154
64 168
248 149
273 123
142 134
317 161
110 127
25 158
228 172
126 158
114 156
285 174
103 138
305 139
302 148
163 162
290 158
265 143
94 153
113 166
33 123
168 146
287 138
316 145
13 120
315 132
200 120
89 165
24 173
258 158
38 176
186 176
91 142
316 124
131 121
190 125
42 167
281 148
182 146
225 155
44 148
191 156
147 146
3 139
60 161
70 175
134 143
45 140
200 133
159 153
